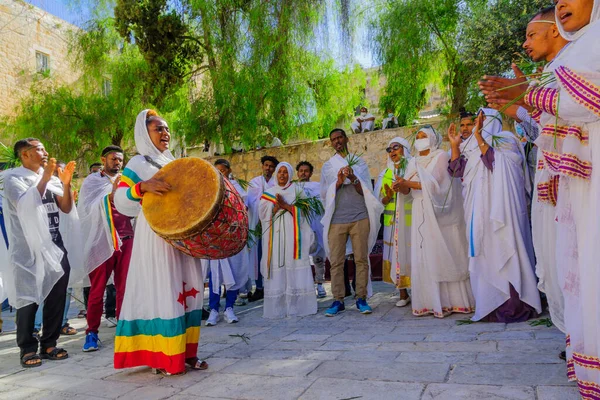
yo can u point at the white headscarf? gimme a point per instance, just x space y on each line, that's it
571 36
404 143
290 170
434 138
144 144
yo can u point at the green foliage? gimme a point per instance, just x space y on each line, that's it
257 76
448 43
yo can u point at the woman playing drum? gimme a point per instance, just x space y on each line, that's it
159 325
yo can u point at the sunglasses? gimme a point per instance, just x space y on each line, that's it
393 148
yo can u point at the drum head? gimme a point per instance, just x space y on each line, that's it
195 198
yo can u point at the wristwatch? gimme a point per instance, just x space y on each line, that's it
355 182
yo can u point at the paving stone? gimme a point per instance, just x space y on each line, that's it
25 393
138 375
531 346
295 345
273 367
550 334
248 387
480 327
557 393
517 357
152 393
299 337
349 346
475 346
82 371
396 338
383 371
368 355
437 391
328 388
351 337
437 357
427 330
516 374
506 335
184 381
451 337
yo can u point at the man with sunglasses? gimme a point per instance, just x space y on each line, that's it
38 268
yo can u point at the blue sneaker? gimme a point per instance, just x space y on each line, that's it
335 308
91 342
363 307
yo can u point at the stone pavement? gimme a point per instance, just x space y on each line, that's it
386 355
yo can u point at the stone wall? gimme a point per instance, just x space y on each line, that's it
372 145
25 30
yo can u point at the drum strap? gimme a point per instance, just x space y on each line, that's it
151 161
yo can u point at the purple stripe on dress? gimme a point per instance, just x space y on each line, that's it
580 81
577 94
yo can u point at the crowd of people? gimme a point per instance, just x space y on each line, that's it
473 230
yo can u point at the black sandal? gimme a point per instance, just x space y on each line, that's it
31 357
55 354
196 364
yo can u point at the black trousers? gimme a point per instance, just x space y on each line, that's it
110 306
54 307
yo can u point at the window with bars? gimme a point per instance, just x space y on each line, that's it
42 62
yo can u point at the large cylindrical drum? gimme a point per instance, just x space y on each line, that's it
202 215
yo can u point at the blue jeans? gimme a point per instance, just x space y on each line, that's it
214 299
38 315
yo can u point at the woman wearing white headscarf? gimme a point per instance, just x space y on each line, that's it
491 165
571 155
439 263
289 288
159 324
396 219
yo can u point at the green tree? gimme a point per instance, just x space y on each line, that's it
446 42
258 74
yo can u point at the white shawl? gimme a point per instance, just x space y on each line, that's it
329 193
98 243
34 260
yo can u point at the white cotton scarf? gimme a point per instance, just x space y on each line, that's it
144 144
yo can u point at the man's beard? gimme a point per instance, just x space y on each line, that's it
113 171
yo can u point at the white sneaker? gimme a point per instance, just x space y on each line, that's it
111 322
213 318
230 316
321 291
243 295
403 302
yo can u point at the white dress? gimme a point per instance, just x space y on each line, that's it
285 264
439 263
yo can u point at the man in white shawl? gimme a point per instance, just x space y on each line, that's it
289 288
501 263
159 325
232 272
570 110
108 239
364 122
543 43
396 219
352 212
258 185
439 262
39 210
305 170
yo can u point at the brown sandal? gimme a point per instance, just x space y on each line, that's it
68 330
196 364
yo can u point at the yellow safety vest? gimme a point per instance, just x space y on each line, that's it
389 211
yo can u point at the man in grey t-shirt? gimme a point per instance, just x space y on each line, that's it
347 195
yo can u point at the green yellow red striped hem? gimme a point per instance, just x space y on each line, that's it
111 224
